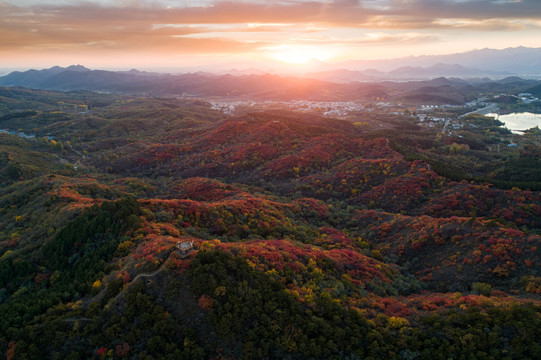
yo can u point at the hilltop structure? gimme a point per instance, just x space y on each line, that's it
184 249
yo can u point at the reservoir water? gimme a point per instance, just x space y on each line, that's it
518 122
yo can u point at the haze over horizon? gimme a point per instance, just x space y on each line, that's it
165 34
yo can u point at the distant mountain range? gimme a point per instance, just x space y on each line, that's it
264 87
337 85
521 61
406 73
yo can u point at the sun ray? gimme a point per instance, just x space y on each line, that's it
298 54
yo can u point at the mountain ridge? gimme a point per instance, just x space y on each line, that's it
319 87
519 60
308 237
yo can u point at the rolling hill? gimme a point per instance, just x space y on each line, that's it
313 238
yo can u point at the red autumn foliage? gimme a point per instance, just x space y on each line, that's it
205 302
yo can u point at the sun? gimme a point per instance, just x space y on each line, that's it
292 54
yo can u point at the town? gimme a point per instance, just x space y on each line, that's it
448 117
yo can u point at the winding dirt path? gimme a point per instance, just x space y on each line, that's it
150 274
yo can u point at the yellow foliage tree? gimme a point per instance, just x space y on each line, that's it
96 285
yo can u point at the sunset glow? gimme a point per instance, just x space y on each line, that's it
298 54
165 33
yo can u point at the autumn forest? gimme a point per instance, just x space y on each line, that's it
310 237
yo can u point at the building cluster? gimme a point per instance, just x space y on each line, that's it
229 107
527 98
327 108
18 133
433 107
427 115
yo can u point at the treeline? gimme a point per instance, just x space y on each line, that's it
68 265
522 173
254 318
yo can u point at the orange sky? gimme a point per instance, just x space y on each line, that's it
165 34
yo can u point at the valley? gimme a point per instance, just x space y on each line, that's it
368 234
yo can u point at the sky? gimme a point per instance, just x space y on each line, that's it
160 34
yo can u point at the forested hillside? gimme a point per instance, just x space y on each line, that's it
313 238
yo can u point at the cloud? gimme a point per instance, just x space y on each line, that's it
400 38
228 26
484 25
351 13
470 9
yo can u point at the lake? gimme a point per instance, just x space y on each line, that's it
518 122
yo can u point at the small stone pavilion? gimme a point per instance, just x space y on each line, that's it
184 249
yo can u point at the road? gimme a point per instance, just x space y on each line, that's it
492 108
447 121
